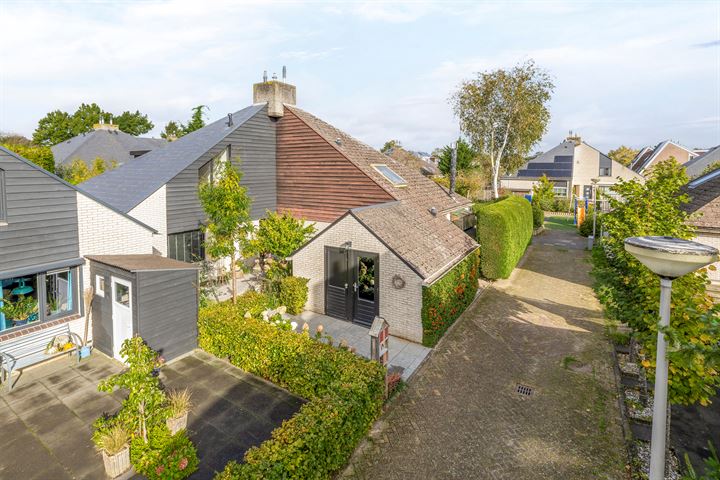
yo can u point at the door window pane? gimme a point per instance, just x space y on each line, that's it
337 265
58 293
366 278
18 301
122 294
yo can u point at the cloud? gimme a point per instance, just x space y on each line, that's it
714 43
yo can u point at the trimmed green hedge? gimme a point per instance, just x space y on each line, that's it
345 392
504 230
448 297
293 293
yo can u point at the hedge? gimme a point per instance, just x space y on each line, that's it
504 230
449 296
345 392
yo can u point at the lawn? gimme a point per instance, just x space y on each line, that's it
560 223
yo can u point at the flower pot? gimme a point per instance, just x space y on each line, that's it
176 424
116 465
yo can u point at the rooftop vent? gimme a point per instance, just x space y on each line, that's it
229 120
338 142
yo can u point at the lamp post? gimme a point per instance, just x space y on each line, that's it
669 258
591 239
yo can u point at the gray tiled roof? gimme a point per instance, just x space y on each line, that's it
107 144
429 243
128 185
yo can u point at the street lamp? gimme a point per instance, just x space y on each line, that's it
669 258
591 239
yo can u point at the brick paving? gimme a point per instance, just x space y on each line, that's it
461 416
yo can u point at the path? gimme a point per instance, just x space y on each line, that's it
462 417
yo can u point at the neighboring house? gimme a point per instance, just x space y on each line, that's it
292 161
106 141
417 160
570 166
704 204
695 167
649 156
48 228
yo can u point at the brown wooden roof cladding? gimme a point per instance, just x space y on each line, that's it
314 180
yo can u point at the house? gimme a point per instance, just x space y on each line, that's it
48 231
106 141
648 156
387 220
570 166
695 167
704 204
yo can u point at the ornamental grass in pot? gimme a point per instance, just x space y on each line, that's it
179 405
115 447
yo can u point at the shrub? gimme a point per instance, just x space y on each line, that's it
544 193
169 457
40 156
345 393
448 297
504 230
586 227
538 214
293 293
561 204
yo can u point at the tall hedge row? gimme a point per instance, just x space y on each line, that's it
504 230
345 393
448 297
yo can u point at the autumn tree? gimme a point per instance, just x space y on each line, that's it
229 224
41 156
504 114
78 171
623 154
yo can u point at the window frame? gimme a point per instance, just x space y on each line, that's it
379 166
181 239
608 174
3 198
100 292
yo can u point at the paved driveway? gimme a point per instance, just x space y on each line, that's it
462 416
47 419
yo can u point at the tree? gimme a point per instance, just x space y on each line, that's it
623 154
78 171
41 156
630 291
53 128
278 235
389 146
197 120
134 123
58 126
227 206
544 193
504 114
466 157
172 131
711 168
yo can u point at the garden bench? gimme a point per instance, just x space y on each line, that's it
29 349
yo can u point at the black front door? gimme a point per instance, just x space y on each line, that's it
351 280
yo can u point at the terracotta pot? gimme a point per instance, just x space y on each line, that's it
177 423
116 465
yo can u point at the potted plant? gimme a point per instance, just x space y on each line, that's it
20 310
115 447
179 405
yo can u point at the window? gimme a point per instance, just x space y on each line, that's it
38 297
122 294
560 191
390 175
3 198
59 300
208 172
605 171
99 285
187 246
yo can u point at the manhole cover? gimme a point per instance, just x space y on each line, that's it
524 390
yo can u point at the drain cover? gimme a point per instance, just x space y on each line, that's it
524 390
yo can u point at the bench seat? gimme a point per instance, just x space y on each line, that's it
31 348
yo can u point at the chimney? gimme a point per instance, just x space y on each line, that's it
275 93
111 127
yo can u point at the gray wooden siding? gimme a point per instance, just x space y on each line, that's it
42 220
168 310
102 323
254 144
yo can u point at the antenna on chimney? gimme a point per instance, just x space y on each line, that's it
284 73
229 120
274 76
264 76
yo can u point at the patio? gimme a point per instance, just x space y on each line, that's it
405 356
47 418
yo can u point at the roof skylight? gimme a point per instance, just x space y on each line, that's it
390 175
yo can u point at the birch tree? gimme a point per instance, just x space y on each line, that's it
504 114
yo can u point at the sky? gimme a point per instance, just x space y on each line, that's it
632 73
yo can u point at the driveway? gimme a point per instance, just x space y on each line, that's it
466 414
47 418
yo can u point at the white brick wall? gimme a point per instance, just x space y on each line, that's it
153 212
713 241
401 308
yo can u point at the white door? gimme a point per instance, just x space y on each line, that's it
121 314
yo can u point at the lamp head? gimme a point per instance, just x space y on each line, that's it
670 257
